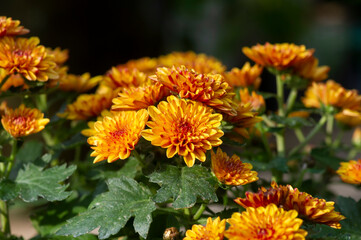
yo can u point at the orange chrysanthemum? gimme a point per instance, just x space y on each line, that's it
10 27
214 230
146 65
209 89
256 100
265 223
136 98
350 172
311 71
87 106
331 93
78 83
308 207
91 130
23 121
232 171
124 78
185 127
356 137
14 80
245 118
245 77
60 56
201 63
280 56
25 56
116 136
349 117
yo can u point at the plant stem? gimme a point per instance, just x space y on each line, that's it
264 139
291 99
11 159
138 157
329 129
299 181
280 138
352 153
199 212
299 134
4 218
310 135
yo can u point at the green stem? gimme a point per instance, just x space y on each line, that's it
280 138
187 212
299 181
329 129
138 157
264 139
352 153
199 212
11 159
4 218
41 102
309 136
299 134
291 99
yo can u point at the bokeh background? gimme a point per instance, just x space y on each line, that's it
101 34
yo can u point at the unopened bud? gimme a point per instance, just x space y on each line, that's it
171 234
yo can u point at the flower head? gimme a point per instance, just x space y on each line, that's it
60 56
280 56
349 117
10 27
256 100
308 207
23 121
124 78
209 89
91 130
350 172
116 136
245 118
311 71
214 230
232 171
331 94
87 106
78 83
14 80
184 127
135 98
265 223
25 56
245 77
201 63
146 65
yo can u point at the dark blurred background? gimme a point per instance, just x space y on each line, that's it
101 34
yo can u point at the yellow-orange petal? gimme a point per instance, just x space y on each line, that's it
350 172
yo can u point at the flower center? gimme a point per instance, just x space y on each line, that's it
184 127
119 133
20 120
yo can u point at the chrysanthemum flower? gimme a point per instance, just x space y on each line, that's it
349 117
146 65
23 121
201 63
356 137
350 172
91 130
184 127
60 56
280 56
10 27
136 98
245 77
308 207
331 93
209 89
78 83
124 78
245 118
256 100
265 223
14 80
311 71
231 170
116 136
87 106
214 230
25 56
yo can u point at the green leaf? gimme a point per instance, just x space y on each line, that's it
111 210
84 237
324 156
184 185
34 182
130 169
279 163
